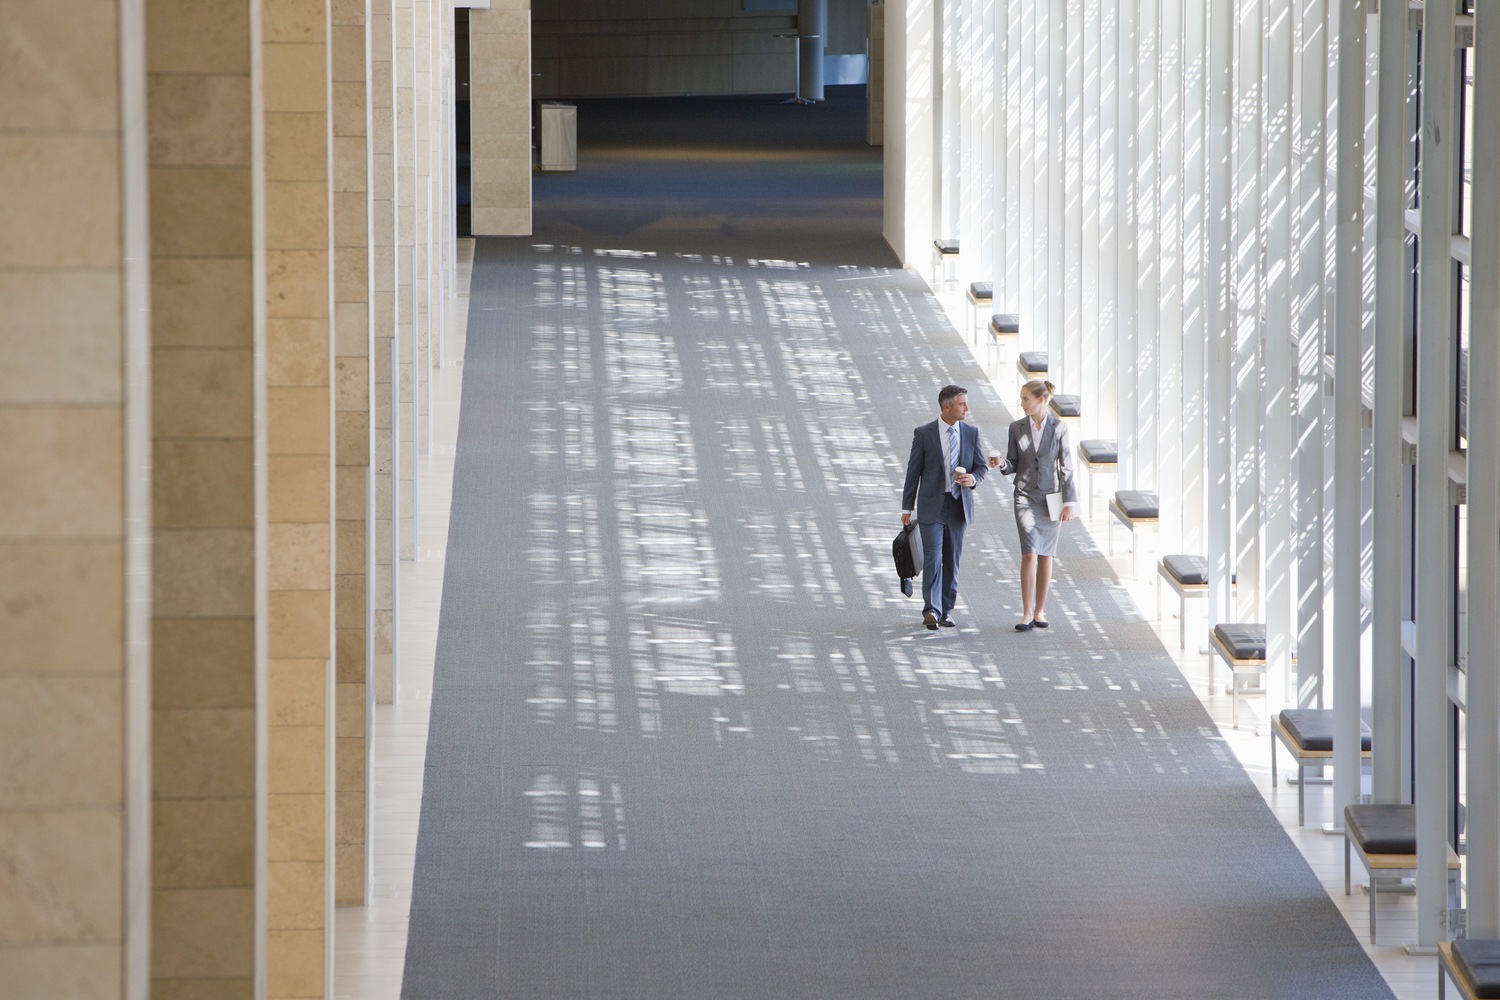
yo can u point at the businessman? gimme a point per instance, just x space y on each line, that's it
942 497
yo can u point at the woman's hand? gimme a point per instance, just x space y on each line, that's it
1067 514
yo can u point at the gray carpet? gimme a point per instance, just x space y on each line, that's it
689 741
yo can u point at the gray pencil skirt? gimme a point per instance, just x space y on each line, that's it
1038 531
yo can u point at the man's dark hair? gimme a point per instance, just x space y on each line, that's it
948 392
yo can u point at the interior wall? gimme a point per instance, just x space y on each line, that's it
620 48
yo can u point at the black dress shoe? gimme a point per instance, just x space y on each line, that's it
1024 626
947 622
930 619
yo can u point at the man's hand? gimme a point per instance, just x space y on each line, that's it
905 520
967 481
1067 514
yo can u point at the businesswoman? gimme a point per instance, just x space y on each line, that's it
1039 456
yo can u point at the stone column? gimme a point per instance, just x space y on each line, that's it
422 144
500 118
404 19
74 504
445 174
383 301
207 510
299 473
354 391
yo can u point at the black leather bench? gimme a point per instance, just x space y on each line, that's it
1187 575
1032 364
1097 452
943 252
1385 838
1473 965
1242 647
1066 406
1307 734
1002 326
981 294
1097 456
1132 508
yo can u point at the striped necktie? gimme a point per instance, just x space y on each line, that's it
953 461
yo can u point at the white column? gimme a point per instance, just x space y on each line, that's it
965 180
1026 176
1195 293
1349 193
1311 171
1483 791
1015 251
1248 235
1068 252
1149 365
1126 348
1279 413
986 102
1220 277
909 207
1390 472
1045 164
1110 220
1002 252
1435 551
1087 384
1168 383
950 118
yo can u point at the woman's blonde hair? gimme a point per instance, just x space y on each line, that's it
1039 389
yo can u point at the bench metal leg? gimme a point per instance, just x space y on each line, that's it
1182 621
1273 760
1346 861
1373 882
1301 793
1442 982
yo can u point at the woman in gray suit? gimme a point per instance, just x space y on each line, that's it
1039 456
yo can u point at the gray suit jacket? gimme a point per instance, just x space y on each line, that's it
1049 467
927 478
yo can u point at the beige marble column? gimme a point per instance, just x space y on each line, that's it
404 19
383 284
354 390
206 513
422 122
74 503
500 118
443 159
299 473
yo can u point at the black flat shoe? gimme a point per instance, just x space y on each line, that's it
1024 626
1040 622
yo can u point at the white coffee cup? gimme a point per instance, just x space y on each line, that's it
958 473
994 458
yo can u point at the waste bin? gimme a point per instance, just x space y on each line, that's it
559 124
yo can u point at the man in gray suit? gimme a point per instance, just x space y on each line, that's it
943 498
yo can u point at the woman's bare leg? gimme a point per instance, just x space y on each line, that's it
1028 586
1043 581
